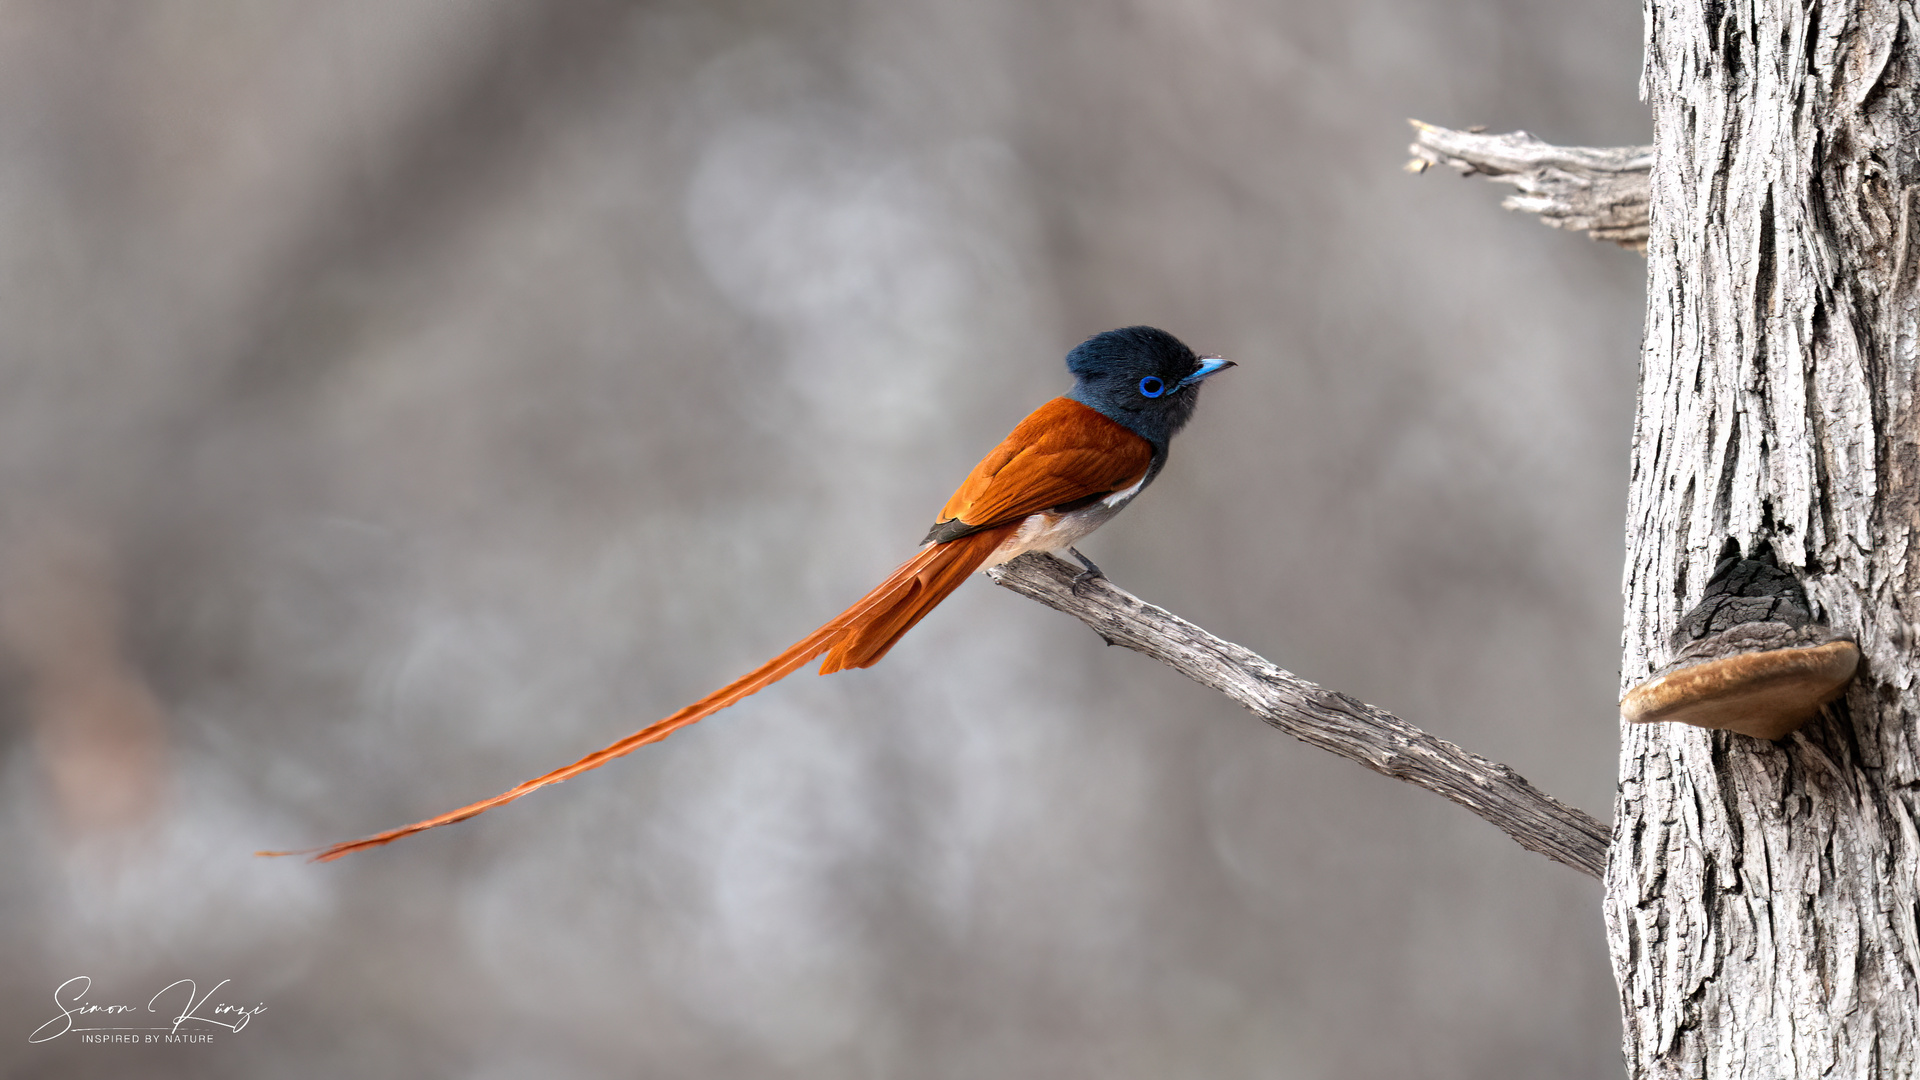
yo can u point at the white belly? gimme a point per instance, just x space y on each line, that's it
1048 531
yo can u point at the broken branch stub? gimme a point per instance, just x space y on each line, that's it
1602 191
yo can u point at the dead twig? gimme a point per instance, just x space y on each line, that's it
1602 191
1324 718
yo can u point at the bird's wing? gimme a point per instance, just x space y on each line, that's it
1062 453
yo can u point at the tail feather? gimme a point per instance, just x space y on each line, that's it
866 642
857 637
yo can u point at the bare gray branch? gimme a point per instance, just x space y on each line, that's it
1602 191
1324 718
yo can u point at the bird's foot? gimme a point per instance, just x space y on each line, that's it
1091 572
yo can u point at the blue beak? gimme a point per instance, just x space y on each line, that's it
1209 365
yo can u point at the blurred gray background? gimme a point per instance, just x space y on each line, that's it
398 400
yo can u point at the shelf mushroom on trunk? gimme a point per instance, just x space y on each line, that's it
1750 657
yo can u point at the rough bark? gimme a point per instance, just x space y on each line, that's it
1319 717
1761 897
1599 190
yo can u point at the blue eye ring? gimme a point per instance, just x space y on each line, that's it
1151 386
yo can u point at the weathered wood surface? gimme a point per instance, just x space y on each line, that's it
1762 898
1601 191
1324 718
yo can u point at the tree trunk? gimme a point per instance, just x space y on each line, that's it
1761 897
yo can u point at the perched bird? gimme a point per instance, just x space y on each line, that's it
1068 467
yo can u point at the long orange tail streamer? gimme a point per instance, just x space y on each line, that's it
857 637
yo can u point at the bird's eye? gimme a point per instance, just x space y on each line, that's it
1151 386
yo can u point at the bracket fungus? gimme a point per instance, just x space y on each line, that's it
1750 657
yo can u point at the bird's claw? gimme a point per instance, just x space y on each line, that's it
1091 573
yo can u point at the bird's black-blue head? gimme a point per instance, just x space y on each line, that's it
1142 377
